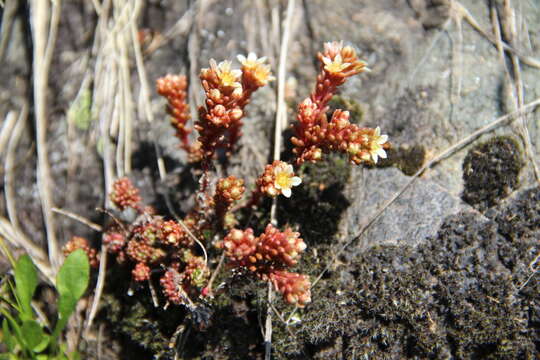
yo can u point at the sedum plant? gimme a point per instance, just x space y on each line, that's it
177 251
23 334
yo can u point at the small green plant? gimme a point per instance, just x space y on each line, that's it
23 335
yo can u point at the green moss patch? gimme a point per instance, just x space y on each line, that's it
453 296
491 171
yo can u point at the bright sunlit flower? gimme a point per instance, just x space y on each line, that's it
376 142
335 66
227 77
256 68
331 49
251 61
285 179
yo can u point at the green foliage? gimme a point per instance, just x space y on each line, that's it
26 282
22 333
71 283
80 110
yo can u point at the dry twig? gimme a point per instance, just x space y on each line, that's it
44 38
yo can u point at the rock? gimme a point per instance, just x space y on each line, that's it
416 215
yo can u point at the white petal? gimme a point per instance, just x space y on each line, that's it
252 56
241 58
262 60
381 153
295 181
289 169
374 156
383 139
286 192
326 60
377 131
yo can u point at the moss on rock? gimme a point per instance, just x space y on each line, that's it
316 206
491 171
453 296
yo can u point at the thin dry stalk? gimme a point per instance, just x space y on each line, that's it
280 121
98 291
106 76
8 15
43 50
10 167
18 239
460 10
78 218
127 103
509 18
5 134
181 28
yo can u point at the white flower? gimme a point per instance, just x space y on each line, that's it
376 141
226 76
335 66
285 179
251 60
256 67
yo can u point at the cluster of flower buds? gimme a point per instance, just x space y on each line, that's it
183 281
173 88
267 256
294 287
228 191
278 178
76 243
227 93
125 195
172 233
316 135
151 244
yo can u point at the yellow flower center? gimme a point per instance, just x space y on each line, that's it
283 180
261 73
334 67
227 78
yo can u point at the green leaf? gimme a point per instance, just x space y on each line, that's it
33 335
71 283
79 111
14 325
7 337
26 281
43 344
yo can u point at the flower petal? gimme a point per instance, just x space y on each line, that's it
289 169
295 181
286 192
242 59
